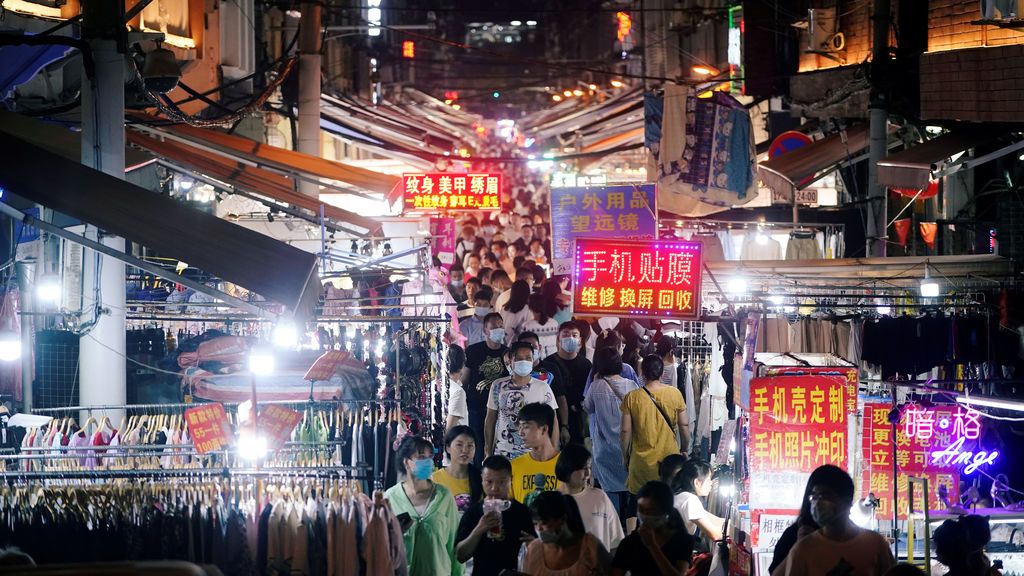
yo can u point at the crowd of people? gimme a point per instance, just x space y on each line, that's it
568 450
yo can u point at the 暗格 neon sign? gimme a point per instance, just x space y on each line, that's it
947 433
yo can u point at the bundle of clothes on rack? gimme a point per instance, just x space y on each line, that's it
309 525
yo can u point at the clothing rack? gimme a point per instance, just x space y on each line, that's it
158 473
706 223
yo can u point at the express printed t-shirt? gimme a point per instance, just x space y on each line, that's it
507 398
524 473
459 487
494 555
866 554
485 365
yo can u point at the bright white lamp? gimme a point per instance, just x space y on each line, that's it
929 287
736 285
48 289
286 335
10 346
261 362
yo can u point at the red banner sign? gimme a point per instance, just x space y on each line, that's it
847 373
797 423
443 191
277 423
208 425
637 278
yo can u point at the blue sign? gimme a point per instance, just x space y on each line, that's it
625 211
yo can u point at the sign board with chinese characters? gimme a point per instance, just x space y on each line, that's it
797 423
628 212
442 239
937 442
208 425
770 528
443 191
277 423
637 278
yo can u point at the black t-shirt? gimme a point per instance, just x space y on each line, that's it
484 364
634 557
570 380
493 556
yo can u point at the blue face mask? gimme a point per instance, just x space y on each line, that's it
422 468
522 367
497 335
571 345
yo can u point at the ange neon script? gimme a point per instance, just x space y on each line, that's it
955 455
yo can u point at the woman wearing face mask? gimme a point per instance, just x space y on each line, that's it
692 483
460 477
433 519
543 324
575 478
515 312
661 545
563 547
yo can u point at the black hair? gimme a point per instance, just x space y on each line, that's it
905 569
474 280
669 467
539 275
519 345
692 470
805 517
499 244
834 478
517 262
527 334
410 446
652 367
520 294
664 346
551 505
539 414
499 274
572 458
568 325
543 306
492 316
484 275
526 226
498 463
484 293
951 545
523 271
660 493
607 362
456 358
476 483
609 339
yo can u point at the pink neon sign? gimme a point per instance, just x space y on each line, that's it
922 422
948 433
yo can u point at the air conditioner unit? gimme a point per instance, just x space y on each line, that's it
822 35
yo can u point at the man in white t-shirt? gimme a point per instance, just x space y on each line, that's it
840 547
507 396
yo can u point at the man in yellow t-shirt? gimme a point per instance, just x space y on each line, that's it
534 471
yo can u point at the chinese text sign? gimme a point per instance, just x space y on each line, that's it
209 428
442 239
443 191
637 278
277 423
797 423
628 212
937 443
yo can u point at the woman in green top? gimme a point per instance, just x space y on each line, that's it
433 520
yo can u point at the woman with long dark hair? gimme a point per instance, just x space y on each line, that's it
543 324
516 312
430 508
661 545
692 483
460 477
563 546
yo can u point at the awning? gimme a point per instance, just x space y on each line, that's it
282 159
916 167
60 140
273 269
631 136
248 178
798 168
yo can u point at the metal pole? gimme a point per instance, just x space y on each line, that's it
102 357
878 116
309 88
26 282
895 482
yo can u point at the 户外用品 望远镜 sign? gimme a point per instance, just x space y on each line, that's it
639 278
449 191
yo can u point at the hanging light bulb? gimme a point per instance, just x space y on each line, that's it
929 287
736 285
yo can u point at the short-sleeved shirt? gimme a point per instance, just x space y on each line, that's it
599 517
492 556
865 554
524 475
691 509
459 487
457 403
485 366
635 558
507 398
653 437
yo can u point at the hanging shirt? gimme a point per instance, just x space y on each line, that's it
507 398
430 541
604 405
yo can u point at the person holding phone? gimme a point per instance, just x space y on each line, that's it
493 530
